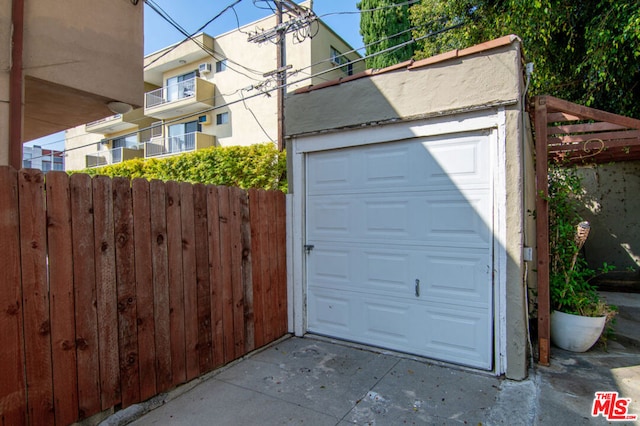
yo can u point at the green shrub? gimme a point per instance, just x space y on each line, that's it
254 166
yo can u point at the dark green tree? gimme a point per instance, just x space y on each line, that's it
586 51
380 22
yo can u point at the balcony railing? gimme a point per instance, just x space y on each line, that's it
171 93
171 145
177 144
178 99
111 156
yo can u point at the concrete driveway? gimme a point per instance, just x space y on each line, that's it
317 381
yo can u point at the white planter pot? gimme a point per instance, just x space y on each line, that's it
574 332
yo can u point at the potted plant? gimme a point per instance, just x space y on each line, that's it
579 315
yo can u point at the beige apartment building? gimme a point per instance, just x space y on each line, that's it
57 71
211 91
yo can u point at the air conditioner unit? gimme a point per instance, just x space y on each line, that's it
204 68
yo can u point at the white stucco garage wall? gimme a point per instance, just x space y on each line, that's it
479 88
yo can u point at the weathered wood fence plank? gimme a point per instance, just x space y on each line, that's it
205 338
63 332
106 292
246 271
224 210
190 281
215 275
35 297
12 385
256 266
280 220
126 291
144 288
160 285
84 277
176 287
236 271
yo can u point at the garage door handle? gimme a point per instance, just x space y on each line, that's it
417 288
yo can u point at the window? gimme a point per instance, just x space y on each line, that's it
336 56
126 141
222 118
221 65
340 60
182 136
181 86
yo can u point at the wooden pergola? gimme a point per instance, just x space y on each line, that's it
575 134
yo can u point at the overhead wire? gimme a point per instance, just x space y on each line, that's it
268 90
206 49
193 34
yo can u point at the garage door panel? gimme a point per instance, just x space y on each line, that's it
444 333
331 218
457 221
459 277
329 172
455 276
334 267
388 166
387 218
461 161
459 335
386 322
444 219
329 313
388 271
436 164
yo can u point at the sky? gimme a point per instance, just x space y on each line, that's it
340 15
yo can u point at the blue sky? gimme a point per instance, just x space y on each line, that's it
192 14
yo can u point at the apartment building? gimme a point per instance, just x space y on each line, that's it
62 63
35 157
211 91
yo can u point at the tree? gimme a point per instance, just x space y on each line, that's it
586 52
380 23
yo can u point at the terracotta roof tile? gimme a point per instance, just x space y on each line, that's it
405 64
435 59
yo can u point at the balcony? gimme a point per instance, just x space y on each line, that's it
178 144
185 97
116 123
111 156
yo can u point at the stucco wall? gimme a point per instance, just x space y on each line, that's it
78 55
89 45
467 82
612 207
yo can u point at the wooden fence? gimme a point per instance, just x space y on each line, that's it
113 291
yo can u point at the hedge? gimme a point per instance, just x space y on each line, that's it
253 166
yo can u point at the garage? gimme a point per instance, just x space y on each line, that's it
408 214
402 246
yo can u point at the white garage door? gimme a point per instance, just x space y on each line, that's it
402 246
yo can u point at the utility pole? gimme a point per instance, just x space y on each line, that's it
301 17
281 59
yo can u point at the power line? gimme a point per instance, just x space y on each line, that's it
271 89
206 49
254 117
196 32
